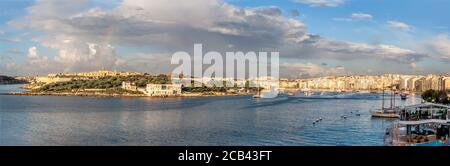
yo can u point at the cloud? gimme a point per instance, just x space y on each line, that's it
342 19
356 17
294 12
315 47
440 45
35 60
84 36
271 10
15 51
413 65
321 3
361 16
397 25
10 40
77 55
10 66
308 70
4 57
32 52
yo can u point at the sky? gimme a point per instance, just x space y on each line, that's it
314 37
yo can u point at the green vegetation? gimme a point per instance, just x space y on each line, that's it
108 84
212 88
142 81
204 89
435 96
113 85
10 80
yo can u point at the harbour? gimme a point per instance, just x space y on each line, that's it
316 119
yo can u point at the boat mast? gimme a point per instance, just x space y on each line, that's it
393 100
259 90
259 87
392 94
382 103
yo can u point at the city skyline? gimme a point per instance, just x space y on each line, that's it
314 38
412 83
101 71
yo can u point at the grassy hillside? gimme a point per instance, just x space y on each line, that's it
111 84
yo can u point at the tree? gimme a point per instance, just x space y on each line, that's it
428 95
435 96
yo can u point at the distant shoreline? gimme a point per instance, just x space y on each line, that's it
20 83
28 93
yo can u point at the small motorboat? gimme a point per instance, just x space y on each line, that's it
256 96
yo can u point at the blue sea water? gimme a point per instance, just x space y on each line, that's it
237 120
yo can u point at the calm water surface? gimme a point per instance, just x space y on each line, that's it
48 120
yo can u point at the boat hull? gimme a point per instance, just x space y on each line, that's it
385 114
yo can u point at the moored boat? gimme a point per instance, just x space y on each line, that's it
403 96
291 94
385 114
390 112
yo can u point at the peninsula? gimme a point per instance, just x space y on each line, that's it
113 83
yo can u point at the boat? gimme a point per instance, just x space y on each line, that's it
425 124
403 96
271 92
308 93
258 95
390 112
385 114
268 94
305 89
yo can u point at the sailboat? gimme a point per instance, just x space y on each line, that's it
390 112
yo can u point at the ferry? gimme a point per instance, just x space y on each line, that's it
425 124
